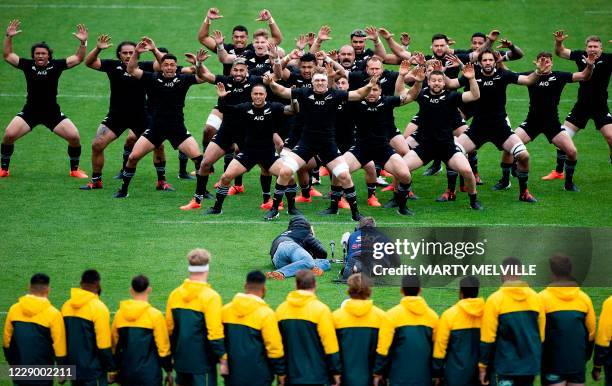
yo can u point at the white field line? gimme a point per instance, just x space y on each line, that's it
93 6
380 224
599 12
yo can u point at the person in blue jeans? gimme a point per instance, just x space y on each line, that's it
296 249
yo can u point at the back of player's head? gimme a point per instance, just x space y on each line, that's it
511 261
367 222
91 277
483 52
411 285
140 283
255 280
120 47
305 280
561 266
163 50
592 38
39 282
240 28
260 32
359 286
479 35
469 287
438 37
198 259
358 33
41 45
169 57
308 57
544 54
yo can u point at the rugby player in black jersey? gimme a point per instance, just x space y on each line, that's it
261 121
490 119
166 91
592 102
543 115
42 74
319 106
238 84
438 107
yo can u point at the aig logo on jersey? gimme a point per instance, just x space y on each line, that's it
487 83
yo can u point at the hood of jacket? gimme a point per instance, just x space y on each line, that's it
190 289
358 307
79 297
300 298
414 304
245 304
472 306
133 309
32 305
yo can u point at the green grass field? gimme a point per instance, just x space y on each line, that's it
49 225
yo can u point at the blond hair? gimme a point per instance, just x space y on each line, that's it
198 257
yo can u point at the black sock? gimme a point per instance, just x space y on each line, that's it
378 169
6 151
561 158
227 158
314 173
197 161
402 194
473 197
436 164
128 174
290 194
451 179
95 177
473 159
279 191
74 153
265 182
305 190
221 194
204 144
201 182
182 162
506 169
461 182
570 166
238 180
351 198
336 195
523 176
160 168
371 189
126 154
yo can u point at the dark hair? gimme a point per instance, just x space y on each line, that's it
469 286
439 36
481 54
41 45
561 266
240 28
255 278
308 57
40 279
544 54
479 35
163 50
436 72
260 85
169 57
140 283
305 279
511 261
123 43
411 285
359 286
90 276
359 33
367 222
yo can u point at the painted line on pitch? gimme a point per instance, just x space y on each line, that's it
94 6
601 12
410 224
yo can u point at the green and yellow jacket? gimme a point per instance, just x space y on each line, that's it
88 337
512 331
140 343
603 354
570 330
456 348
253 341
193 317
34 333
405 343
357 323
309 339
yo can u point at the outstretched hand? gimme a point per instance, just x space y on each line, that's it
384 33
221 91
81 33
560 36
493 35
329 68
300 42
264 15
372 33
405 39
202 55
13 28
103 42
141 47
590 59
418 73
218 36
324 32
320 55
404 68
190 58
468 71
418 58
268 78
454 60
213 14
150 43
272 51
505 43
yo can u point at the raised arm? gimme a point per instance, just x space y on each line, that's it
78 57
322 36
560 50
222 54
12 30
204 32
491 39
514 53
92 60
400 52
542 67
588 70
474 93
202 74
412 94
132 67
277 67
276 88
362 92
379 48
276 37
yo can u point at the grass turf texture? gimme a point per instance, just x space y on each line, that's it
49 225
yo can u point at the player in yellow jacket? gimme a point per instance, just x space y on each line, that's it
603 353
570 327
34 330
405 341
512 331
457 342
193 317
311 347
252 338
88 337
140 339
357 322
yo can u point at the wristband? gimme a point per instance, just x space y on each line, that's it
220 47
271 21
406 47
206 20
277 61
327 59
84 44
